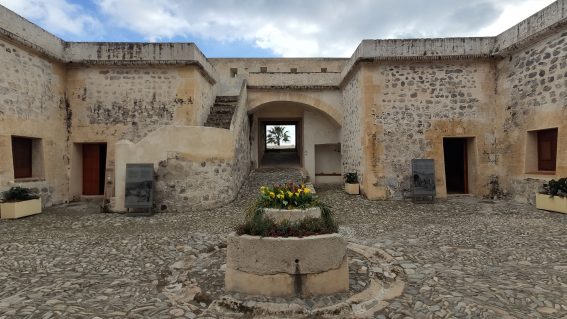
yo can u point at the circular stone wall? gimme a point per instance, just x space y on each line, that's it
292 215
284 267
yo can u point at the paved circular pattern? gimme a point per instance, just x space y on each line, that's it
373 279
464 257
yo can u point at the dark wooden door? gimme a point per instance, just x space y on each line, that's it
91 169
456 165
547 149
22 157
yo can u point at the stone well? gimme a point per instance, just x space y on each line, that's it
287 266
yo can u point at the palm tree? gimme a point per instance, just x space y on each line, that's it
277 134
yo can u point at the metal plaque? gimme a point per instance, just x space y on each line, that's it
139 186
423 177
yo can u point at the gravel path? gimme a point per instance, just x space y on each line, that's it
463 257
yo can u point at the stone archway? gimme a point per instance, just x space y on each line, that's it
318 130
328 102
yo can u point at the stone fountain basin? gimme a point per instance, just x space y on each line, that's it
286 266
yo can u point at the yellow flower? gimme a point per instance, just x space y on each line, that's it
307 191
297 194
272 195
289 194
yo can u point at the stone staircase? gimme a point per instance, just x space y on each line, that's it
222 111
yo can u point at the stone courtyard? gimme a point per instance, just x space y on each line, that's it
461 258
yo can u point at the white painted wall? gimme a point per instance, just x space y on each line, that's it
318 129
328 161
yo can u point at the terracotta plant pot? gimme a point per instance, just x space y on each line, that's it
14 210
352 189
554 204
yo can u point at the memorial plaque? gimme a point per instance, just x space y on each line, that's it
423 178
139 186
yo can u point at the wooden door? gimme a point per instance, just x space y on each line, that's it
22 157
91 169
547 149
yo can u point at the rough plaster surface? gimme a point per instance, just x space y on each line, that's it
276 255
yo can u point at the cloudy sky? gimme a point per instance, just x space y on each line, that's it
289 28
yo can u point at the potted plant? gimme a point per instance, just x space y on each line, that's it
351 183
554 196
19 202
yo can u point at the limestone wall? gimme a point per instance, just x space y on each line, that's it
32 105
186 182
351 133
169 146
13 26
410 107
276 67
110 103
532 91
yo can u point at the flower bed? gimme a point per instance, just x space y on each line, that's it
301 213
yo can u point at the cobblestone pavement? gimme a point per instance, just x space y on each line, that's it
464 257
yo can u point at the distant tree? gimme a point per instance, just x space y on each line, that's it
277 134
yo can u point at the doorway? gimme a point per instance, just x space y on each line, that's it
94 167
456 165
280 144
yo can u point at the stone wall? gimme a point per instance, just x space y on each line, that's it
277 67
410 107
532 90
351 133
130 102
109 103
184 183
32 105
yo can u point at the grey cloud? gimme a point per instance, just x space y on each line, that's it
286 27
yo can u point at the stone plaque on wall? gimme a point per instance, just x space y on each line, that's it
423 178
139 185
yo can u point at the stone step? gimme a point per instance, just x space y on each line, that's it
225 104
226 99
220 116
222 109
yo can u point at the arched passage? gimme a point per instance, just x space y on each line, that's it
317 139
328 102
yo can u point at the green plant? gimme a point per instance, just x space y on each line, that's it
556 187
351 178
18 194
257 224
277 134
